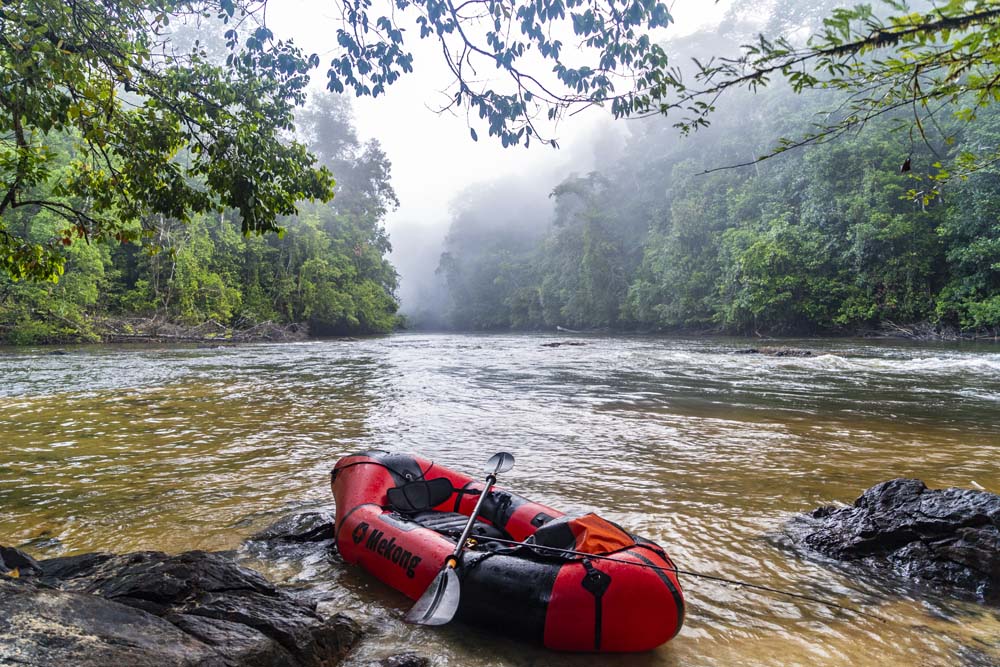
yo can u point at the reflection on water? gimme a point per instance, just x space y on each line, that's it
702 449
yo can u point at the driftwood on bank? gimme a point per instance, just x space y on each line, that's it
156 329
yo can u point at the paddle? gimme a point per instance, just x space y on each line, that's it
440 601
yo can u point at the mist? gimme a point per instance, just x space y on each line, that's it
632 225
435 163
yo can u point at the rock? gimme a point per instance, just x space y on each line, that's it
947 537
305 527
13 560
565 342
142 608
42 626
152 580
405 660
240 644
776 351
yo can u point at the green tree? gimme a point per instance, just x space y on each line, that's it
941 59
156 133
778 279
970 231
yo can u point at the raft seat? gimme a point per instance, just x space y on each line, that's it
413 500
451 524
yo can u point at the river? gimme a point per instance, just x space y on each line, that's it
687 442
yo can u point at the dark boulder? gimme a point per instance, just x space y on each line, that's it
305 527
13 560
45 626
194 608
946 537
776 351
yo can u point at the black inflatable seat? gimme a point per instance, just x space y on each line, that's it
420 495
414 500
451 524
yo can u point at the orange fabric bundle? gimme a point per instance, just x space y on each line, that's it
588 534
595 535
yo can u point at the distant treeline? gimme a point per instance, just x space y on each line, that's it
826 238
836 236
328 269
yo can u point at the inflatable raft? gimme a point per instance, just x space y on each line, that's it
399 517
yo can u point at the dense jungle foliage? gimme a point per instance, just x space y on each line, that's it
328 268
117 127
823 240
835 236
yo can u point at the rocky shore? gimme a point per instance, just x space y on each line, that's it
945 538
195 609
203 609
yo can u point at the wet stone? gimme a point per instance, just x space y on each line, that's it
949 538
43 626
304 527
776 351
405 660
569 343
148 608
13 560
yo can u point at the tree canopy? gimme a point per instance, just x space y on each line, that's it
824 240
155 132
941 55
161 129
327 269
937 62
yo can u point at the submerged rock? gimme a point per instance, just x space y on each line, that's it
776 351
571 343
148 608
947 537
305 527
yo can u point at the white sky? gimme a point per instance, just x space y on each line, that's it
433 156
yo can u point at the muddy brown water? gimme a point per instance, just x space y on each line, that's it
704 450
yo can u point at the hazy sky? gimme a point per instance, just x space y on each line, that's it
433 156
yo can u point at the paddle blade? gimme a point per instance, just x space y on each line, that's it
439 602
500 462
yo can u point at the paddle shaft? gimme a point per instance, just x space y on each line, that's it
452 561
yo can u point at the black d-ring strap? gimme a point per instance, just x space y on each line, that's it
596 583
465 490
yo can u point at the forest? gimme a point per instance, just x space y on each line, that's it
685 229
836 237
327 268
824 240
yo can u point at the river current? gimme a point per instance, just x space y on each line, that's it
688 442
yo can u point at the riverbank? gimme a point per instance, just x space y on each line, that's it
202 609
156 329
149 330
923 331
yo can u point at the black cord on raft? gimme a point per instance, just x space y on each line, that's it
676 570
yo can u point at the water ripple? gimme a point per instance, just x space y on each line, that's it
705 449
